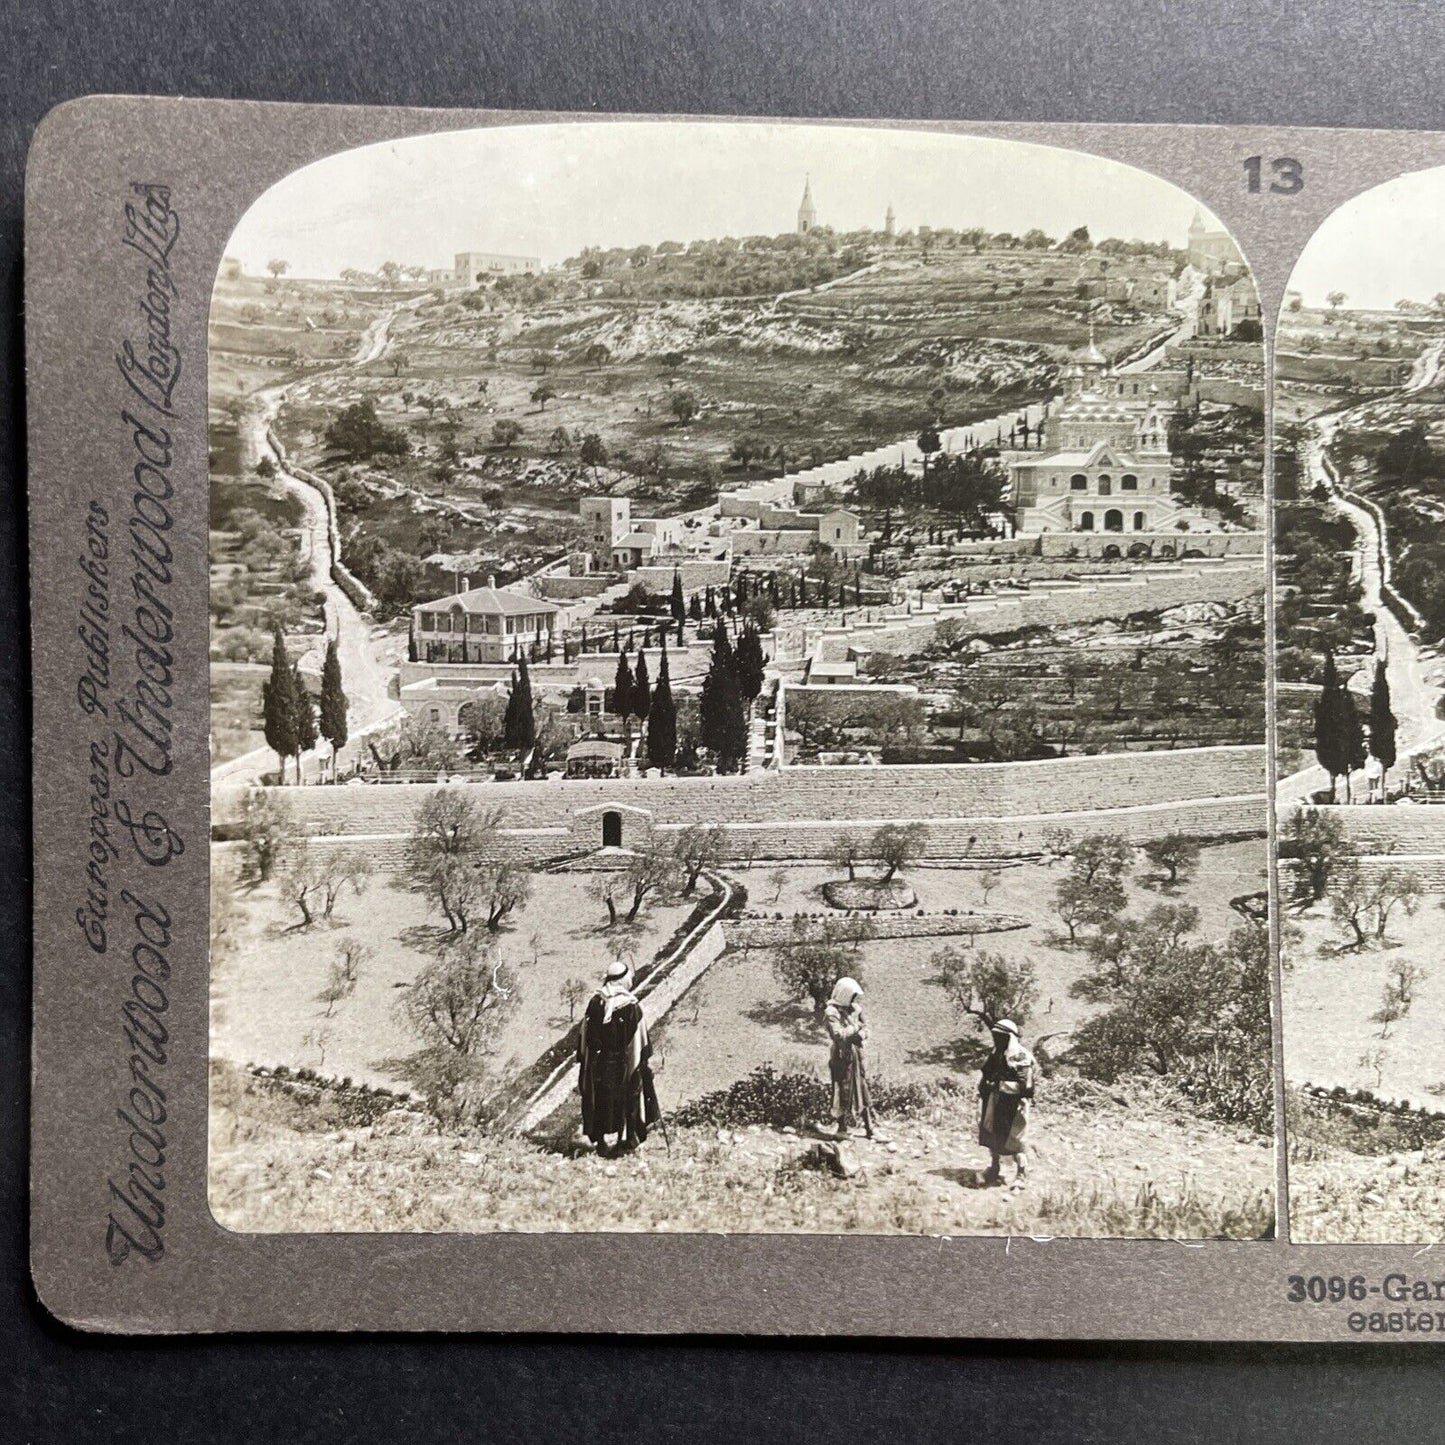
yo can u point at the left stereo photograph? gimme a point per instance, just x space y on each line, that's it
737 692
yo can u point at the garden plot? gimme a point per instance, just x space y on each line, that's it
1333 996
737 1017
265 1004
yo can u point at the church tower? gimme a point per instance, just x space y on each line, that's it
807 216
890 222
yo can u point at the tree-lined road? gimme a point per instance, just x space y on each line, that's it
1412 693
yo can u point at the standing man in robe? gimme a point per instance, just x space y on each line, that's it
619 1098
1005 1089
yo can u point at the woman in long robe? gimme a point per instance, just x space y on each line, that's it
843 1018
1005 1089
615 1079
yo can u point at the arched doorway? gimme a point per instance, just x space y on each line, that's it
1105 485
611 830
1086 522
1113 520
1138 521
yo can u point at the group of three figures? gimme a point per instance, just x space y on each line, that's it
619 1095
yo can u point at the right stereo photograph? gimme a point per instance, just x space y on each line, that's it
1359 438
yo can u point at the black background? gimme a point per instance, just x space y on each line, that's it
1313 62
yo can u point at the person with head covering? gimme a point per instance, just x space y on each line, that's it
843 1018
1005 1088
619 1098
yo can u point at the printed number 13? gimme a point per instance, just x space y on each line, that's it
1289 175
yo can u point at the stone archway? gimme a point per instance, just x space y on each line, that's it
612 829
1113 520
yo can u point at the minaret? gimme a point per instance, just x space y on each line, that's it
890 222
1095 362
807 216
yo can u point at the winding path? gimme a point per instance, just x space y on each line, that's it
366 681
1413 695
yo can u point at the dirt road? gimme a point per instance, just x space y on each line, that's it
365 679
1413 694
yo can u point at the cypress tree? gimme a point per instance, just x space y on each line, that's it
1332 716
694 608
305 715
722 714
750 663
616 637
662 724
679 606
709 606
333 703
509 716
1382 719
278 704
622 701
519 725
641 689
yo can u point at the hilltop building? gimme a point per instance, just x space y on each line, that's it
1104 462
807 214
785 531
617 541
470 268
1212 252
483 624
1227 301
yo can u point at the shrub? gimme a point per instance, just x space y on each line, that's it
776 1100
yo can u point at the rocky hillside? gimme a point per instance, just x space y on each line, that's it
1106 1163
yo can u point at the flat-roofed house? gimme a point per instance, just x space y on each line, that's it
484 624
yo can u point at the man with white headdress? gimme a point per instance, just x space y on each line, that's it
1005 1089
615 1080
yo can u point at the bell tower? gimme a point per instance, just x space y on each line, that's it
807 215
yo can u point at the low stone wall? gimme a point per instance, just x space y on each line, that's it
1211 544
1395 828
696 574
682 663
559 587
1061 604
771 932
757 543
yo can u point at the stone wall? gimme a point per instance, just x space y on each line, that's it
1061 604
947 843
995 801
696 574
682 663
559 587
1211 544
965 922
754 542
1398 828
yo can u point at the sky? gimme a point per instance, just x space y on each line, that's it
549 190
1380 247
